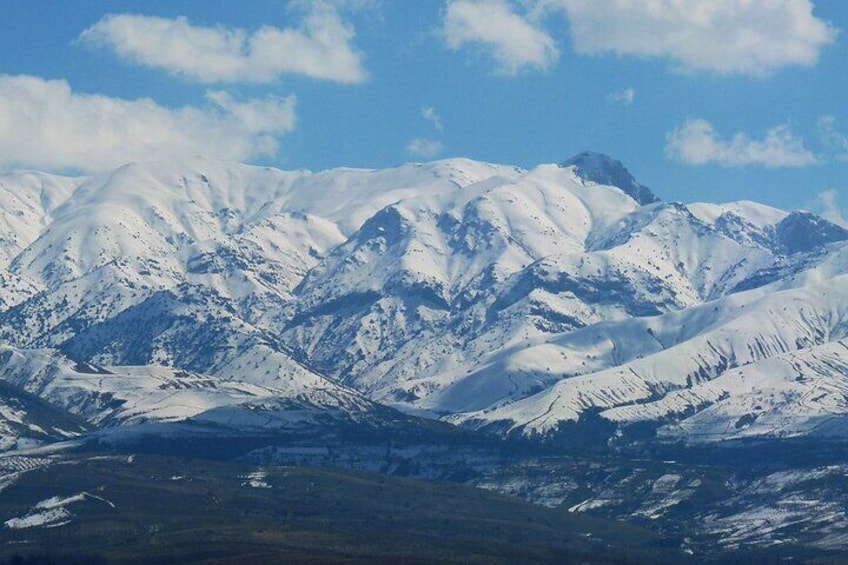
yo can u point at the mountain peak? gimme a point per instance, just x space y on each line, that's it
803 232
603 169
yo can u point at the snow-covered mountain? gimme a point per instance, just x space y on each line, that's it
490 296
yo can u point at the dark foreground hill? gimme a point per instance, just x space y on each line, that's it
148 509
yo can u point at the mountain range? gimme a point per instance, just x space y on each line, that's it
484 295
542 305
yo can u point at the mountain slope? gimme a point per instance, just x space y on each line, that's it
672 367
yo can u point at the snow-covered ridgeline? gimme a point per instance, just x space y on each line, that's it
476 292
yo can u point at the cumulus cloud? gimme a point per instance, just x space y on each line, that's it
321 48
722 36
45 125
422 147
626 96
515 41
834 141
696 142
429 114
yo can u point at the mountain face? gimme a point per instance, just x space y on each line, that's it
489 296
606 171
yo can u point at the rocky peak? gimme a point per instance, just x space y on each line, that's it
603 169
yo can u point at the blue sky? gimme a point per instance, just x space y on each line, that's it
710 100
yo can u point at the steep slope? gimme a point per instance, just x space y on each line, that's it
27 203
116 400
27 421
604 170
717 358
123 395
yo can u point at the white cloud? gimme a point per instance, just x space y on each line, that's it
515 41
626 96
429 114
753 37
834 140
696 142
422 147
258 115
827 206
45 125
321 48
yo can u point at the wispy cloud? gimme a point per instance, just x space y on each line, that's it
722 36
423 147
320 48
834 141
515 41
696 142
826 205
626 96
429 114
45 125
